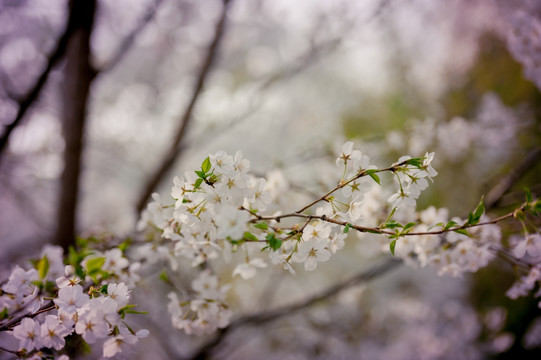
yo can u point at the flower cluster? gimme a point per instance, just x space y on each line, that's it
218 211
528 249
94 312
205 311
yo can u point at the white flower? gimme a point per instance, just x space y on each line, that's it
260 197
348 154
122 341
337 242
206 285
241 165
91 322
20 282
231 223
402 197
311 252
119 293
205 309
530 245
71 298
53 332
179 190
248 270
355 210
427 167
318 231
28 332
69 278
114 261
223 163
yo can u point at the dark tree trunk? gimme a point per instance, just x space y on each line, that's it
78 76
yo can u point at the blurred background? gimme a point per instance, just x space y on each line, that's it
102 102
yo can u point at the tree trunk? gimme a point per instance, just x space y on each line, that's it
78 75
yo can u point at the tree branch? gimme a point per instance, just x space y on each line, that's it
496 193
176 147
205 351
28 99
130 39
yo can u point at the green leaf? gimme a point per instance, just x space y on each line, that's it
249 236
125 244
537 207
407 228
43 267
81 242
164 277
392 245
392 224
4 314
136 312
462 232
417 162
95 264
198 183
473 218
374 176
103 289
201 174
346 228
529 197
372 231
206 165
262 226
450 224
274 243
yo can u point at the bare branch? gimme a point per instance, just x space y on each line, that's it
206 350
130 39
176 147
496 193
28 99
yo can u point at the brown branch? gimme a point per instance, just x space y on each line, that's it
381 230
30 97
12 323
130 39
176 147
206 350
343 183
496 193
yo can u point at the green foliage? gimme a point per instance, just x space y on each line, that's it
128 310
373 175
417 162
43 267
93 268
274 243
262 226
392 246
4 314
249 236
205 174
475 217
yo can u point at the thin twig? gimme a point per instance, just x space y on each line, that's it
496 193
176 147
10 324
130 39
30 97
